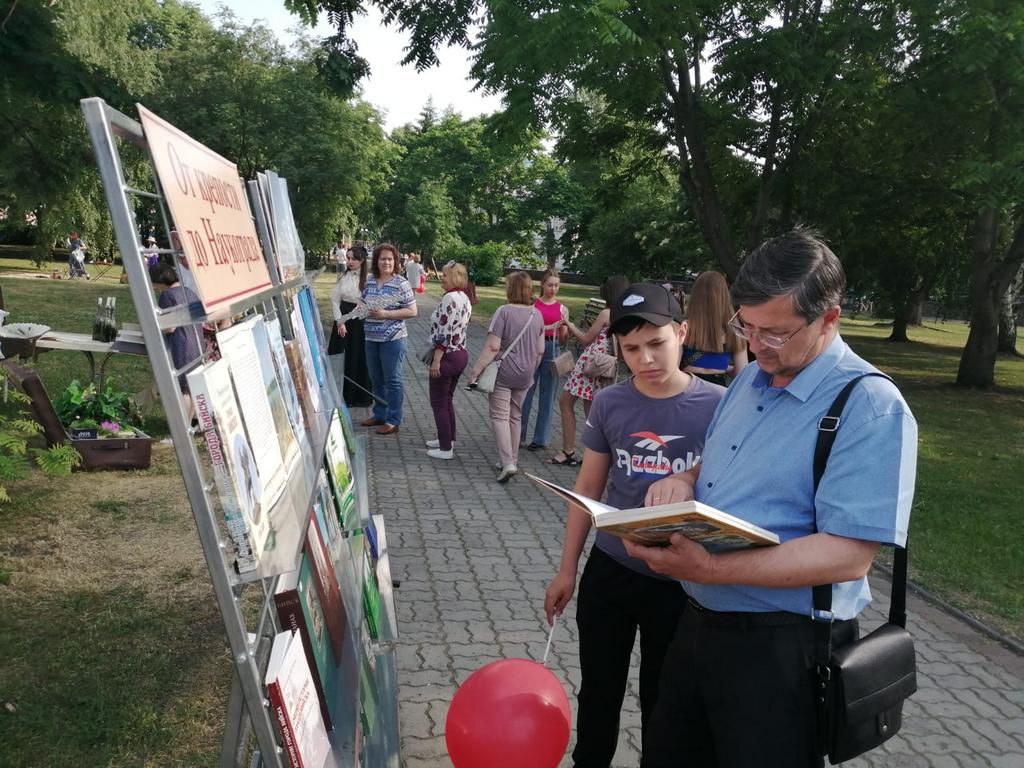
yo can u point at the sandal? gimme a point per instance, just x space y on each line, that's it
568 459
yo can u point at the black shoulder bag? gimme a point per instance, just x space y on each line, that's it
861 686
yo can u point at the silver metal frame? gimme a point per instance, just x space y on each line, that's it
248 708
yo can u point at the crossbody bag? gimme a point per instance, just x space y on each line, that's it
488 377
861 687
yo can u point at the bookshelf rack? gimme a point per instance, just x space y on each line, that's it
250 737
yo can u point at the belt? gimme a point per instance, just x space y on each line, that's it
744 619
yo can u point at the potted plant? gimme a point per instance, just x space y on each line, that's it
104 424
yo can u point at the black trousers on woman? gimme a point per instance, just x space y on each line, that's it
356 387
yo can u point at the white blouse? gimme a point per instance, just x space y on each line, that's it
346 288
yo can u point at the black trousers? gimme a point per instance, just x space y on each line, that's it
737 691
613 603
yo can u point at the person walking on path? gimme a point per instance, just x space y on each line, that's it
347 345
517 333
391 300
545 382
626 449
414 273
448 326
712 351
579 386
746 643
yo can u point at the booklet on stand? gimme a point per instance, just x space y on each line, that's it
717 531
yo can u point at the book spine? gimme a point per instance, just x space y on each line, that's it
284 724
237 527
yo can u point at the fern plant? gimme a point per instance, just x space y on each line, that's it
15 461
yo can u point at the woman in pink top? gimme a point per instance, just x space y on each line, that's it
545 382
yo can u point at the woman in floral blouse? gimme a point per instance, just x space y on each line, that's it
448 327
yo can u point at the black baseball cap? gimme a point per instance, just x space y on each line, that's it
652 303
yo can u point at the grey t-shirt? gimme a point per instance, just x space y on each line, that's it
517 368
648 438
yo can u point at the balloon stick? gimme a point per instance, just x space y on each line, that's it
551 634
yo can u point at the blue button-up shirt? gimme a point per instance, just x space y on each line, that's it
758 465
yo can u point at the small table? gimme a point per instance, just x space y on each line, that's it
89 347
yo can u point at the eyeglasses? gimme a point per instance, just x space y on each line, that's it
773 342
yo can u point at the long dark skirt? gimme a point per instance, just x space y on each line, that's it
356 388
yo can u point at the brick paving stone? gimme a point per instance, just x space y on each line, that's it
474 557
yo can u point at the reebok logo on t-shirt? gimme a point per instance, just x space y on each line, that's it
650 459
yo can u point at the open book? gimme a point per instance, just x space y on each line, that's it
718 531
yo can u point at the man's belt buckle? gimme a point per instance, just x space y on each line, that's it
817 615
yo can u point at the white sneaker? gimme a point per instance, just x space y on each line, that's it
506 474
437 443
437 453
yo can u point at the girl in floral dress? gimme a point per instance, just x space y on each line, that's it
577 385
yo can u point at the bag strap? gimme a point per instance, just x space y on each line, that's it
828 426
517 338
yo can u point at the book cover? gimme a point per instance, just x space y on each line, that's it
368 703
239 348
293 703
717 531
313 379
311 322
234 468
284 377
275 392
337 455
371 597
293 353
326 580
347 430
299 608
326 516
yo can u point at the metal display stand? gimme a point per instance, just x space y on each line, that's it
249 636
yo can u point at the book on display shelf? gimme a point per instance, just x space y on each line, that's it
368 703
275 391
371 597
284 377
299 608
310 322
293 703
328 589
238 347
293 354
234 467
717 531
306 352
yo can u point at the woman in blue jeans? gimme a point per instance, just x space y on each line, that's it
545 383
390 299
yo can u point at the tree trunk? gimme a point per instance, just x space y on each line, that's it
990 279
916 313
1007 334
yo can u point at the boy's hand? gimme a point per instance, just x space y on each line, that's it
558 595
668 490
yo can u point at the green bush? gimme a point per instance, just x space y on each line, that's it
486 263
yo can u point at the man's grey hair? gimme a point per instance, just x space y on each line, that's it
797 264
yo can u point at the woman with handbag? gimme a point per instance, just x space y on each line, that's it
506 365
447 356
712 351
595 370
545 383
346 347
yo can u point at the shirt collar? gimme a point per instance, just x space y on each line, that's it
804 383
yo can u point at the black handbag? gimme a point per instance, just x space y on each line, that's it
861 687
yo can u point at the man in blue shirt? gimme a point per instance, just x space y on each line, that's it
736 688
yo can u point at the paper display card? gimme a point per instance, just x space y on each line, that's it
717 531
299 608
238 347
234 468
210 212
294 703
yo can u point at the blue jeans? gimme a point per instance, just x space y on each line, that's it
384 361
545 384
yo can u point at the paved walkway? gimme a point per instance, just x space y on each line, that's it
474 558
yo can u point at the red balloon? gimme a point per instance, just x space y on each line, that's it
508 714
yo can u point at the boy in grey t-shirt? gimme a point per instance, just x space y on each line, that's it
639 431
